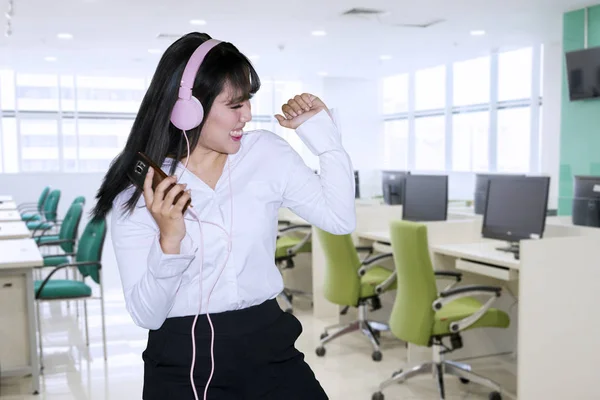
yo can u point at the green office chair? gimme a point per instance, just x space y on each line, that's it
352 283
67 232
50 231
33 211
66 238
88 261
424 317
49 213
289 245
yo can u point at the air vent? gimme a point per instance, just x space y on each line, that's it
423 25
360 11
169 36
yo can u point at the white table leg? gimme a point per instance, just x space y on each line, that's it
33 354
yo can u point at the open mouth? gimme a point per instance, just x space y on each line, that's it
236 135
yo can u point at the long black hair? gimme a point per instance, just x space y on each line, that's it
152 131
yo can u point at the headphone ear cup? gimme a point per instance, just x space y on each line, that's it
187 114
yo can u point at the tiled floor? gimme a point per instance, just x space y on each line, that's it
346 372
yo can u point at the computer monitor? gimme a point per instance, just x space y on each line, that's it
425 198
481 187
586 201
516 209
393 186
356 185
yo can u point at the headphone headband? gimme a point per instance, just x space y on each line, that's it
192 67
187 112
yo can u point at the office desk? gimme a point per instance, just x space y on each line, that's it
481 258
8 205
379 240
18 345
13 230
10 216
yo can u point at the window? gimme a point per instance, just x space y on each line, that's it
67 93
262 102
10 145
420 96
470 133
430 140
39 145
430 88
69 142
514 139
37 92
514 74
283 92
107 94
100 140
395 94
471 82
396 144
7 89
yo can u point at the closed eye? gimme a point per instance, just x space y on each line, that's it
236 106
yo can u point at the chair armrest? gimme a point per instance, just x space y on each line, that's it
382 287
471 290
293 228
296 248
27 206
449 274
369 263
364 249
42 229
56 242
61 266
468 291
58 255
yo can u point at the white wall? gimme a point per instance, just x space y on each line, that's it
550 131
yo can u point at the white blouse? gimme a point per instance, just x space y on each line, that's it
264 175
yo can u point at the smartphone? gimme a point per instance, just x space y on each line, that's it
137 175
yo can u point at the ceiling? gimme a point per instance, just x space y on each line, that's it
113 36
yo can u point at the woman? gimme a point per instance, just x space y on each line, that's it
220 264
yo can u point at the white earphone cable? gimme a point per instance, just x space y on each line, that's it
229 246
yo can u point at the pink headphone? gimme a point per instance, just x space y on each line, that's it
188 112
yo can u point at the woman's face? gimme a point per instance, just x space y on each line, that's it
222 131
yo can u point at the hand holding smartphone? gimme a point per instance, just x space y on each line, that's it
166 201
138 173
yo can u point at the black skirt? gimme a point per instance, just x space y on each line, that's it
255 358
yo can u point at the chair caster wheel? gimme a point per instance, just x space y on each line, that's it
495 396
320 351
376 356
464 381
324 335
377 396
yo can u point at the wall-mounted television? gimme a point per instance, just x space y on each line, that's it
583 73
